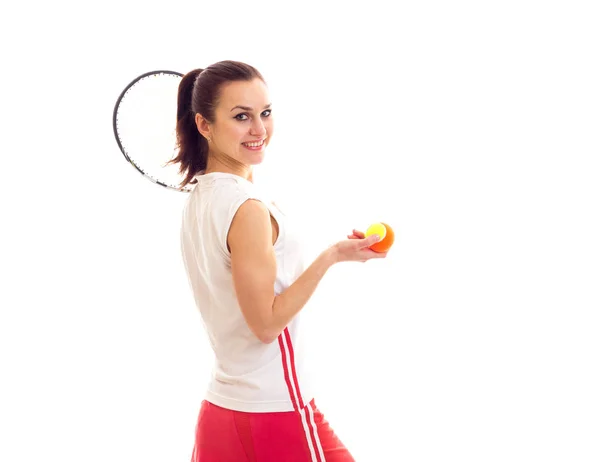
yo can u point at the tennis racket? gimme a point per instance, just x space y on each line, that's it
144 122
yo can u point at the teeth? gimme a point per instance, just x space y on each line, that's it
254 145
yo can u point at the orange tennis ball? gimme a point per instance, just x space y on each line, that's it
385 232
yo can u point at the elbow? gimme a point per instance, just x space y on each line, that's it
266 330
267 337
263 324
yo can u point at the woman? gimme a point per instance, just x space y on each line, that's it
245 269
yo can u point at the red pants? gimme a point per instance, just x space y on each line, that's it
223 435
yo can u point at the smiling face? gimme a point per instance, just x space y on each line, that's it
242 128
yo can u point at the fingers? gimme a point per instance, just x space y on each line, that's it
372 255
369 241
356 234
357 249
361 245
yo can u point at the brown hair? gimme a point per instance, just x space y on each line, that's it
199 92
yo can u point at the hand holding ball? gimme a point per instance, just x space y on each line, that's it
385 232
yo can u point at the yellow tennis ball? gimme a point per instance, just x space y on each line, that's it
376 228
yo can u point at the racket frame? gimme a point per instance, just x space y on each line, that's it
116 132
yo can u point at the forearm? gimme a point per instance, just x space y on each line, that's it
292 300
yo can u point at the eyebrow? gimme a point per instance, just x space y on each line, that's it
246 108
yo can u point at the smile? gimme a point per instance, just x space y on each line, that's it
254 144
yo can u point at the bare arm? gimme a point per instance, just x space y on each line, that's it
292 300
253 266
254 269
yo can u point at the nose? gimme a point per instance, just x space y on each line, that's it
258 127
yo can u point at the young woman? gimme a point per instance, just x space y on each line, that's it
245 268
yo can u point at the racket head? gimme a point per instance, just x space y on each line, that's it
144 125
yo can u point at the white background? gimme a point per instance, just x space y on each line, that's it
470 127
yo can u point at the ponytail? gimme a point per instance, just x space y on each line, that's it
193 147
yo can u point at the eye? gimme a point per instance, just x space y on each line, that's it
239 116
266 113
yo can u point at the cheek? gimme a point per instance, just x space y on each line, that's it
235 132
240 132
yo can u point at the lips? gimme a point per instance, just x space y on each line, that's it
254 144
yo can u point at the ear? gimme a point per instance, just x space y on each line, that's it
203 126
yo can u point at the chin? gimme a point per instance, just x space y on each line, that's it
257 160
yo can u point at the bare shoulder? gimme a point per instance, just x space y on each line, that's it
252 209
251 226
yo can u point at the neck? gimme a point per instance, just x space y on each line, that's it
244 171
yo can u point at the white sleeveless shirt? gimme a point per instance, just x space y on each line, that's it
248 375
